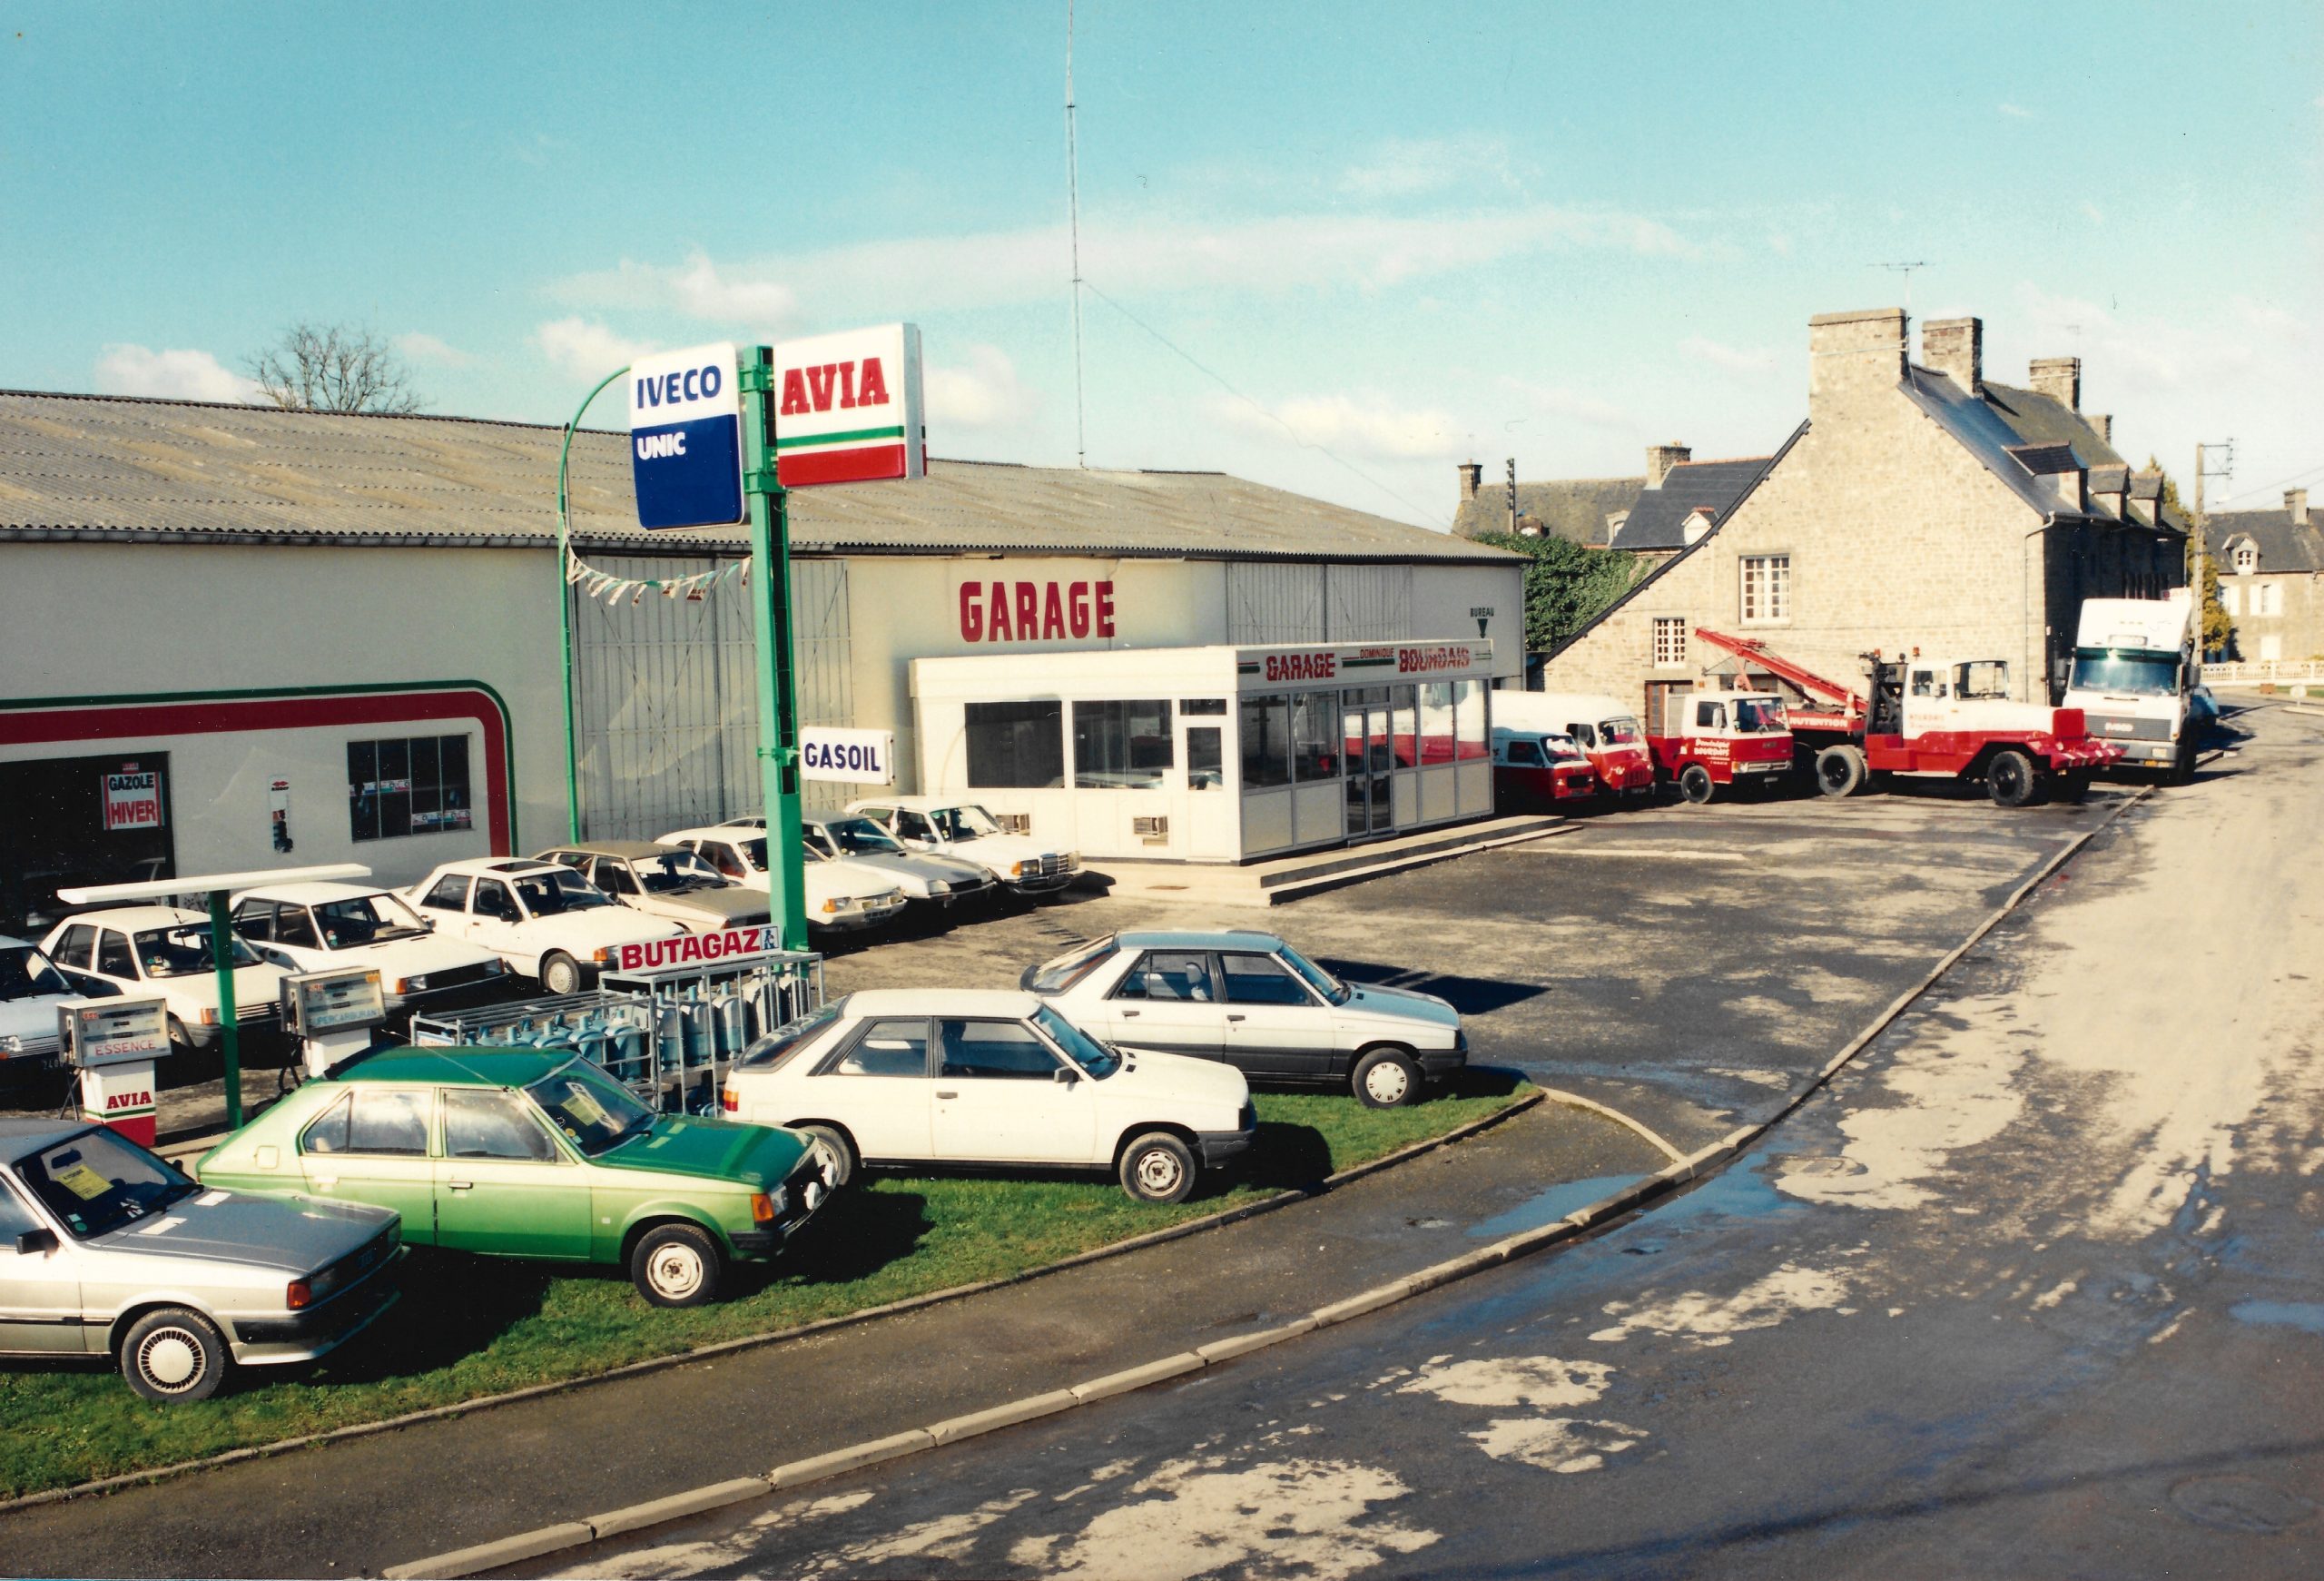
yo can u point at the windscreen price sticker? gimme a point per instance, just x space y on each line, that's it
104 1035
134 801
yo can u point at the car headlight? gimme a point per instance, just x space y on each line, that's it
765 1205
13 1045
410 984
837 903
1015 870
602 953
210 1016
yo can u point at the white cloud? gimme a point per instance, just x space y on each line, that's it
2269 318
1779 244
1556 400
181 375
2093 213
1404 166
1733 359
984 394
987 268
424 348
586 349
1365 423
2017 111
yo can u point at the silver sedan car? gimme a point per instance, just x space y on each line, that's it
107 1250
922 876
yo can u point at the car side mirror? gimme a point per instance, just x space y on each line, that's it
1065 1076
34 1241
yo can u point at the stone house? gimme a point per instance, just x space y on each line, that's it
1918 506
2271 580
1578 510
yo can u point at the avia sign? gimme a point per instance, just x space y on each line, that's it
848 406
685 437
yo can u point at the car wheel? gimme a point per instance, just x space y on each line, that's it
1695 784
174 1354
1385 1079
560 972
1839 771
1158 1168
838 1158
676 1265
2011 779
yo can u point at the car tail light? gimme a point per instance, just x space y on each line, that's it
300 1295
761 1207
729 1101
210 1018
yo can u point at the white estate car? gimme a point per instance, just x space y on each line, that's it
965 830
161 949
1251 1000
841 896
922 876
321 927
543 920
31 988
969 1076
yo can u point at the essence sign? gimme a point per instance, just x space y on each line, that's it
848 406
685 437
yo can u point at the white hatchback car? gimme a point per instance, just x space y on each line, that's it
841 896
980 1077
543 920
965 831
149 951
323 927
1251 1000
31 988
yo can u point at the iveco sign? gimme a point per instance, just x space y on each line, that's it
685 437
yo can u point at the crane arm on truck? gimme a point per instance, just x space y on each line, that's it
1775 663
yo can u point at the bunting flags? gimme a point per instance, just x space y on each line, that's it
595 584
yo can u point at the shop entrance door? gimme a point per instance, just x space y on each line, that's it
1371 803
66 821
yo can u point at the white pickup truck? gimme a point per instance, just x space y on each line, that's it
2133 673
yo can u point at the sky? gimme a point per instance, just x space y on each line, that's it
1336 248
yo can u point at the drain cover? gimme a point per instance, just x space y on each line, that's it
2240 1504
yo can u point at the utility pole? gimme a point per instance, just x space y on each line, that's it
2196 540
1512 496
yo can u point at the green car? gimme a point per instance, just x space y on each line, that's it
515 1153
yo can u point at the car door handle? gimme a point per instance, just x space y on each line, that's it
1231 1017
460 1185
325 1182
1128 1013
941 1093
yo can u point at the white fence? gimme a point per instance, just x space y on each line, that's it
2250 671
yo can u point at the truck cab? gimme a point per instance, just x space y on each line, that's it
2134 678
1704 740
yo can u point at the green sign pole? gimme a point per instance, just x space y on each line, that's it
771 609
564 606
229 1032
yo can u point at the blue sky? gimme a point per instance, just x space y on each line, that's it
1377 239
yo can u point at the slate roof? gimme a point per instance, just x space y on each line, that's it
2018 434
107 466
1658 518
1573 508
2282 546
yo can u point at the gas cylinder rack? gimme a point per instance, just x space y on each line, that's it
669 1034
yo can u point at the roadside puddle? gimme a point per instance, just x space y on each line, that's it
1550 1207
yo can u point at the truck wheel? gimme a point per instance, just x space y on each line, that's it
2183 767
1158 1167
174 1354
2011 778
1695 784
676 1265
2073 787
560 972
1839 771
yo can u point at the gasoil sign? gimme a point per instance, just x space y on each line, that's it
133 800
685 437
854 756
848 406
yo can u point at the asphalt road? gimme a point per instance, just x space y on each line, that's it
2035 1287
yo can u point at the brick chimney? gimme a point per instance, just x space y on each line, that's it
1473 478
1956 349
2102 423
1660 458
2059 378
2296 504
1852 356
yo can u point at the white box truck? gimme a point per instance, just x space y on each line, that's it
2134 670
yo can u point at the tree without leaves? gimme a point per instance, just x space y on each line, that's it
334 368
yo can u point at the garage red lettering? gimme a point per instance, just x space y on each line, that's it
972 614
1076 603
1035 611
1052 614
1302 666
997 613
128 1101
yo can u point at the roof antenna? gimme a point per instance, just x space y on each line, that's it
1907 270
1073 221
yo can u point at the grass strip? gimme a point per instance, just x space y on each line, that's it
471 1327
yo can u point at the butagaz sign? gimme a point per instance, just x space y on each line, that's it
848 407
1036 611
685 437
134 801
854 756
694 949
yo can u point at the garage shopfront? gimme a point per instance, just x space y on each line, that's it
1220 754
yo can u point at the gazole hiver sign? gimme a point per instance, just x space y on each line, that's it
848 406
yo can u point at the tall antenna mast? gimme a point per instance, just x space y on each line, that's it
1073 221
1907 270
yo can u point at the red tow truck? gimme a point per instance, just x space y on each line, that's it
1704 740
1933 719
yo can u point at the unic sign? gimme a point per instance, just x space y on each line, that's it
685 437
849 408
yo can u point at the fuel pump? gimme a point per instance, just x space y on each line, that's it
114 1043
333 1014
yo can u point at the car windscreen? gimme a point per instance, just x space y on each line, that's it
26 974
1321 981
592 1110
548 895
1758 716
1088 1052
98 1181
863 837
1057 976
184 952
2115 669
787 1039
964 823
754 853
1561 750
366 919
1621 731
674 872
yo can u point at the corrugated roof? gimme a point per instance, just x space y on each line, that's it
1658 519
2282 546
114 465
1573 508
